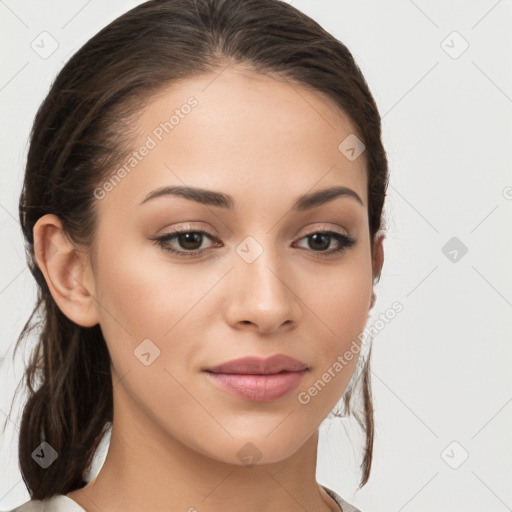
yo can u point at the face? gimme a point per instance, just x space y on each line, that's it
252 274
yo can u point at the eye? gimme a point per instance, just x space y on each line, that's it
191 242
319 242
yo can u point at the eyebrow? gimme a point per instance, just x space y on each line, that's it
221 200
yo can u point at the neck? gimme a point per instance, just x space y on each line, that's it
149 469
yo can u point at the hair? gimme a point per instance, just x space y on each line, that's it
83 129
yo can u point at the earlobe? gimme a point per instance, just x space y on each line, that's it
378 262
372 302
378 255
65 270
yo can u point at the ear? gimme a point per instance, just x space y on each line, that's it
378 261
66 270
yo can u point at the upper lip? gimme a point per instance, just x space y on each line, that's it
256 365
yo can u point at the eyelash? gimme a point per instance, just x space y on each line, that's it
346 242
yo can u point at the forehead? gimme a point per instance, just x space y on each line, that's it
249 135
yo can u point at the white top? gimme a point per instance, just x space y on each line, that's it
61 503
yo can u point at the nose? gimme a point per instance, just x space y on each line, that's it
262 295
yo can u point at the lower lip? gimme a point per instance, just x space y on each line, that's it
258 388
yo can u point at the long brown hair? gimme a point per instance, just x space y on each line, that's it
82 131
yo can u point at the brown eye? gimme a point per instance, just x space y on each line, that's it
188 241
320 241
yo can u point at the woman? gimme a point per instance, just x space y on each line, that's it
202 206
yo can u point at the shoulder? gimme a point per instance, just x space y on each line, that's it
57 503
61 503
345 506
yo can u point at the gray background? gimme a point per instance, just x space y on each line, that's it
441 368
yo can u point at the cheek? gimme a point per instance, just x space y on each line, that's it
340 296
126 292
129 292
340 305
346 306
143 295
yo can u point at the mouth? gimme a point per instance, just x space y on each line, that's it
256 387
252 365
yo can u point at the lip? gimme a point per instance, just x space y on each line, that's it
260 366
257 379
257 388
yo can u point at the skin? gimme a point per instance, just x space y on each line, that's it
175 436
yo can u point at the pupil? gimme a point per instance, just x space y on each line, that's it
190 238
324 237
